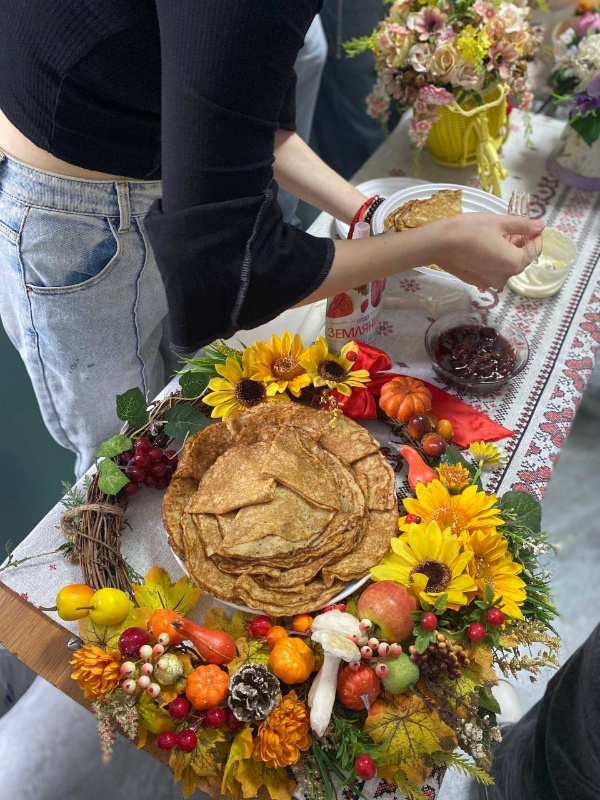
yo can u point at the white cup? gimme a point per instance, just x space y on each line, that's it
545 276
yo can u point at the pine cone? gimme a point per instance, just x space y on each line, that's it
253 692
444 655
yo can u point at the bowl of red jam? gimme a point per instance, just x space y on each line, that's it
475 351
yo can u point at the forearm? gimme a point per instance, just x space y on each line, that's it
300 171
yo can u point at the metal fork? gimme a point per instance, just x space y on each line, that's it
519 205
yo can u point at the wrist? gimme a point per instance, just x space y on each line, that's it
365 212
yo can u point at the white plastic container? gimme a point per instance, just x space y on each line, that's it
545 276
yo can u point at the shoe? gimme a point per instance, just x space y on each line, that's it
511 710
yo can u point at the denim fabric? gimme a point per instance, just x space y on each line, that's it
82 299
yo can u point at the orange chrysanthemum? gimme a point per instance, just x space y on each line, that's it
96 671
284 734
454 477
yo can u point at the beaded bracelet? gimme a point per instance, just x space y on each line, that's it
372 209
365 212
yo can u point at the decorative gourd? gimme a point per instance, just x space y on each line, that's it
292 660
354 686
161 621
402 397
207 686
418 470
213 645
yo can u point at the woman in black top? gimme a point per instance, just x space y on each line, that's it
116 94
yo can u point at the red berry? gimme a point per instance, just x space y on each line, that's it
157 468
131 640
215 717
135 473
141 458
476 632
434 445
231 721
150 481
260 626
429 621
143 445
131 488
412 518
494 616
179 708
166 740
365 767
155 454
170 457
162 483
187 740
126 456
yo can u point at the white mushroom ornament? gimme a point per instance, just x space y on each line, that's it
338 634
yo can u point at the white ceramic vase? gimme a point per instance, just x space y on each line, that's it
575 162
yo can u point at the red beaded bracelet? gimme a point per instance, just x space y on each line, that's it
358 217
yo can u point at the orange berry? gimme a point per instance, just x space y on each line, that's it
160 622
302 623
444 428
275 634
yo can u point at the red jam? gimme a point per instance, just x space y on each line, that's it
475 353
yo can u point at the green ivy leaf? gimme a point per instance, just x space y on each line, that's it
440 602
193 383
488 701
113 447
183 420
488 593
131 407
111 479
422 643
525 510
587 127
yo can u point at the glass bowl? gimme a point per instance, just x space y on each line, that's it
476 351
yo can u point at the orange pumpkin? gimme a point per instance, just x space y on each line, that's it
403 397
354 684
207 686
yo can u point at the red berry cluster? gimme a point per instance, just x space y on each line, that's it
187 739
429 434
148 465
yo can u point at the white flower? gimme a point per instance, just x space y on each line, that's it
512 16
466 75
420 57
444 60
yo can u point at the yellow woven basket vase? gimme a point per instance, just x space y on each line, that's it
472 134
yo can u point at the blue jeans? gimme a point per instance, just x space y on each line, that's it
82 299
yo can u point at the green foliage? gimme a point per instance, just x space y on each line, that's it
193 383
348 740
183 420
521 510
361 44
110 479
462 764
131 408
588 126
114 446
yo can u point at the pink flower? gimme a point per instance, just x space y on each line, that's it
420 56
445 35
502 55
444 61
582 24
435 96
484 10
466 76
427 22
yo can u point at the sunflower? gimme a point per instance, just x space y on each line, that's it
335 372
468 510
429 562
454 477
493 565
236 389
488 456
279 363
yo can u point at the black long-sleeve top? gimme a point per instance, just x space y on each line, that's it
190 91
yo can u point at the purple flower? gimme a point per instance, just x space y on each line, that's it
594 86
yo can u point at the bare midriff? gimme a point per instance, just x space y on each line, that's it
19 147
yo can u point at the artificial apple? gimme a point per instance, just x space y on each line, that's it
389 606
401 676
109 606
73 601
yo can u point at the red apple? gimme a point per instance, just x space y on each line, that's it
388 605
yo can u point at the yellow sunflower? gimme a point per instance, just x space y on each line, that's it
494 565
468 510
236 389
488 456
429 562
454 477
335 372
279 363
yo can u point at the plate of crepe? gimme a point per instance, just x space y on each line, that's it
384 187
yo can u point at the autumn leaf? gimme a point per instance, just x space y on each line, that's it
252 774
203 762
463 695
250 651
159 592
408 733
241 748
107 636
151 718
482 654
216 617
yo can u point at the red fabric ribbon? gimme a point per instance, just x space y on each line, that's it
469 424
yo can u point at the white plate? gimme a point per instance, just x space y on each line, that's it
353 586
381 186
473 200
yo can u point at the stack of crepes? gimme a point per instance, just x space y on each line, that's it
279 507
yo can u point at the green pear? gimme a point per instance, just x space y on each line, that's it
402 675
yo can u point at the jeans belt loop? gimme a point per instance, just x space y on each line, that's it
124 206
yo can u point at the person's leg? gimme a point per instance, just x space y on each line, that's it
15 680
82 298
309 67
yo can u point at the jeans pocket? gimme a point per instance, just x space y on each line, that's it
63 252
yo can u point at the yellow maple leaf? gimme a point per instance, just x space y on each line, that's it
250 651
408 733
482 654
201 763
107 636
241 748
216 617
151 719
158 591
251 775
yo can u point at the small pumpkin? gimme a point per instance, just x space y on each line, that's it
354 684
403 397
207 686
292 660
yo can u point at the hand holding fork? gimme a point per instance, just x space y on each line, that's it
519 205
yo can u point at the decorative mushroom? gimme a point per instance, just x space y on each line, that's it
336 646
342 623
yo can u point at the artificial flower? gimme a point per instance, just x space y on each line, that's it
236 389
336 372
488 456
278 363
96 671
454 477
493 565
470 510
284 734
429 562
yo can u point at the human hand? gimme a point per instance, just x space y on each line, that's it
485 250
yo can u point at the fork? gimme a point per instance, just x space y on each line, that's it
519 205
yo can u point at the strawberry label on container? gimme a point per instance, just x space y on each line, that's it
352 316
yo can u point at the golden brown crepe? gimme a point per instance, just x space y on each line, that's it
415 213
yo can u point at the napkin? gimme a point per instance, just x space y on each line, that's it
469 424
